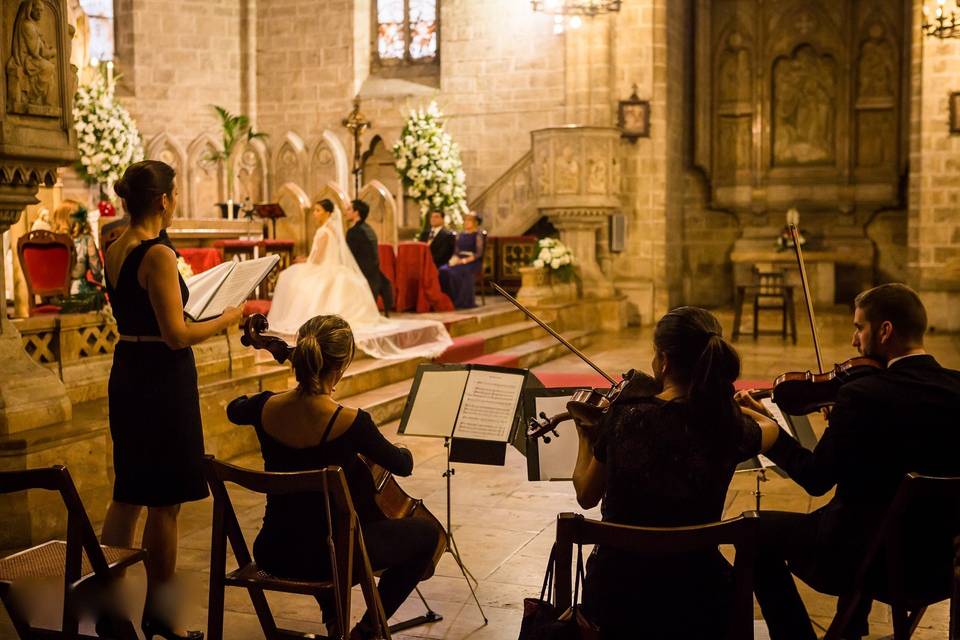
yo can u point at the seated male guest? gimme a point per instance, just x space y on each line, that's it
362 240
902 419
458 276
442 242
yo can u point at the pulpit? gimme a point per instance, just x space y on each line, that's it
576 180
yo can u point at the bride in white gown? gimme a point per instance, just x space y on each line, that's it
330 283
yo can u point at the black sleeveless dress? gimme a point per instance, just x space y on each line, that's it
154 402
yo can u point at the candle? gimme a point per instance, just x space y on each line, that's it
230 215
110 75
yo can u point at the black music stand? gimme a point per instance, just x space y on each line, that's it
270 211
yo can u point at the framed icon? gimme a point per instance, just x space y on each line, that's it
634 117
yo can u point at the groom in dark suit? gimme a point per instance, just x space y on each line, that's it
442 242
901 419
362 240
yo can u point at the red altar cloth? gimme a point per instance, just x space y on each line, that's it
418 283
201 259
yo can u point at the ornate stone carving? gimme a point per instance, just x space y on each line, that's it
567 171
33 66
734 149
735 73
250 167
804 89
290 162
875 137
875 72
164 148
204 178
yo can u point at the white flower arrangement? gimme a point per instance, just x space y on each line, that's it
107 137
428 161
184 268
555 256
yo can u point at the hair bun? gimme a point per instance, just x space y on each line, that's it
121 188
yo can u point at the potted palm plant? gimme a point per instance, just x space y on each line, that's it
234 128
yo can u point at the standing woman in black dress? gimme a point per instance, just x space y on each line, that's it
153 395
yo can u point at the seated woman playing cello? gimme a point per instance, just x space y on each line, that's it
663 456
306 429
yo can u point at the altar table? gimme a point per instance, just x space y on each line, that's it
418 282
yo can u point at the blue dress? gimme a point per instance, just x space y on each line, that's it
458 281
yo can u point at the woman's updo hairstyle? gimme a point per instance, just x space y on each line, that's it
324 344
142 186
700 359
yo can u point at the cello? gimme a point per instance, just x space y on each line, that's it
394 503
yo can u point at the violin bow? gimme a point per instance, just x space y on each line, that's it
795 235
553 333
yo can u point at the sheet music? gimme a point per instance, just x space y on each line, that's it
779 418
435 406
243 279
489 405
203 286
558 457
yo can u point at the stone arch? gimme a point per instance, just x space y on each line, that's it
335 194
296 205
204 178
383 210
166 149
290 162
329 163
379 165
250 172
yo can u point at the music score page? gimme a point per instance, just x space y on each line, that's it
435 407
489 406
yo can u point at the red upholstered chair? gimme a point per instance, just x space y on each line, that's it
47 261
201 258
251 307
243 248
388 266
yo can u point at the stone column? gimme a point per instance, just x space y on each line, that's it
36 136
576 179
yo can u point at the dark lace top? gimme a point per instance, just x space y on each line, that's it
666 468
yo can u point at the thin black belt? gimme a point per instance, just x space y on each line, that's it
140 338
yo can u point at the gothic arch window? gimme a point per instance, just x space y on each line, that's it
100 22
406 38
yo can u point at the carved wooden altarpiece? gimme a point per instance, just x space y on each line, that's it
801 102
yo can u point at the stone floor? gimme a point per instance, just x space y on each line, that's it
503 524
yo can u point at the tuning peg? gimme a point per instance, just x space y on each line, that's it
546 439
555 434
543 415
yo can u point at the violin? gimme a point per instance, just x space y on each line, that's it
394 503
587 406
799 393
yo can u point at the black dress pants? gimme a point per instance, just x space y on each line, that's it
789 546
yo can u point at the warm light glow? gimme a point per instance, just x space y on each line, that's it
576 22
944 21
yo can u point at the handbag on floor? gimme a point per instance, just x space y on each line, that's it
542 621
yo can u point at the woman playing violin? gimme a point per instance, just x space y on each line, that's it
663 455
305 429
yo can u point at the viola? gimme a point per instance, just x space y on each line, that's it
586 405
394 503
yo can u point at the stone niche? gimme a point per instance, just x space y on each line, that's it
804 106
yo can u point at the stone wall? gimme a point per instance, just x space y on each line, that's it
933 255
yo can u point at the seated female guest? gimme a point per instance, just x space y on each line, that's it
306 429
457 277
663 456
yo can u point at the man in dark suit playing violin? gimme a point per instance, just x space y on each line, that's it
902 419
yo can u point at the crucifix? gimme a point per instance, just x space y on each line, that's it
356 123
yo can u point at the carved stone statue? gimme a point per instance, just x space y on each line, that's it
876 66
32 68
804 92
597 178
735 71
567 171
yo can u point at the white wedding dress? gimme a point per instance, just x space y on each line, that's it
330 283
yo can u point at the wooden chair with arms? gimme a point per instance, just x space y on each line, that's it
47 260
79 560
348 554
890 570
741 532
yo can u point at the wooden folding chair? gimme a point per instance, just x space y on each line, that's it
741 532
911 562
78 561
345 544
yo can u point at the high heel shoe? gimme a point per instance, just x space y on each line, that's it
153 627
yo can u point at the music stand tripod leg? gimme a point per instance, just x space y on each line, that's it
452 542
